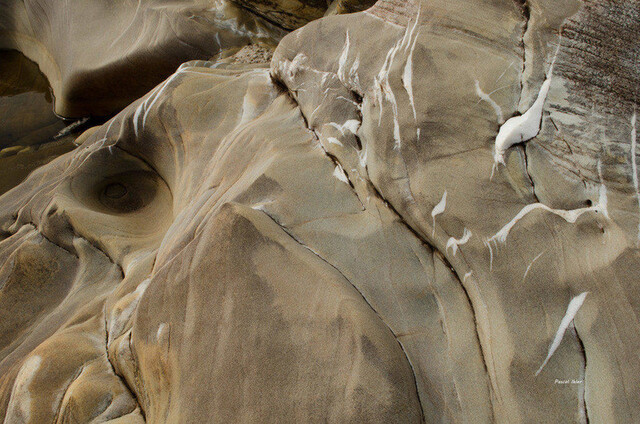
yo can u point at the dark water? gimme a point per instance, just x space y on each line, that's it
28 126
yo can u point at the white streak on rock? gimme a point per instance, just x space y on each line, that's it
396 133
295 65
354 79
136 117
142 287
342 61
381 85
488 244
333 140
438 209
351 125
262 205
570 216
362 156
106 134
453 243
161 329
524 277
519 129
505 71
248 108
409 32
323 81
484 96
356 104
340 174
407 79
572 310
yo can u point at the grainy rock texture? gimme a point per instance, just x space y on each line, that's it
424 212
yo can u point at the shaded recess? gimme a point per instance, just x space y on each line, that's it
29 125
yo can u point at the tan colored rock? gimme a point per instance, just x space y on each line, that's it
363 232
101 56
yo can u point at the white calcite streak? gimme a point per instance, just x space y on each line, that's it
342 62
407 80
351 125
485 97
161 329
354 79
521 128
409 32
453 243
570 216
340 174
333 140
262 206
572 310
524 277
438 209
362 156
382 86
407 74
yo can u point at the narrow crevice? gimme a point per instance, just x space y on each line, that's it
336 162
37 230
303 245
583 400
444 260
525 10
281 85
136 374
526 170
475 321
122 379
109 258
70 251
358 141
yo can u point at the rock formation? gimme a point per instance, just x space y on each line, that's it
427 211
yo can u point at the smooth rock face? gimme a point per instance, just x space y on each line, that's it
101 55
329 238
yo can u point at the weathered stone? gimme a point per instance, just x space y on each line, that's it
102 55
29 126
414 214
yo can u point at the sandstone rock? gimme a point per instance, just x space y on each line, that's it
331 238
101 55
29 126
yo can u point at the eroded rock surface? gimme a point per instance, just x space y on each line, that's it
29 135
332 237
101 55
